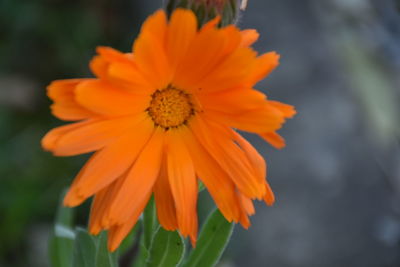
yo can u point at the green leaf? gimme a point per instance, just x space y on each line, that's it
61 241
60 251
129 241
167 249
212 241
84 249
104 258
201 186
64 214
149 222
140 260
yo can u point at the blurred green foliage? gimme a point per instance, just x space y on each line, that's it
40 41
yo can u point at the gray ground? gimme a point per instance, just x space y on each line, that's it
337 180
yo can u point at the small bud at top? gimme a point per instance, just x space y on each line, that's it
218 4
206 10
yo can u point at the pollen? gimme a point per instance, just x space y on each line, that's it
170 107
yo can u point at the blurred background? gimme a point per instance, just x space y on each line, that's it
338 180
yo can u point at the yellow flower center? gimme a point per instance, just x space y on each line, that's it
170 107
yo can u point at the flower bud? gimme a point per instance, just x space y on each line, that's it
206 10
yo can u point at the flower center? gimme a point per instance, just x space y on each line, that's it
170 107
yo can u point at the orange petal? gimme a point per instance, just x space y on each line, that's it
229 156
129 77
216 181
62 92
91 136
247 208
109 163
234 101
288 111
166 211
269 197
274 139
211 24
247 204
98 208
264 65
156 24
249 37
105 220
103 98
181 31
150 55
49 141
117 233
139 181
198 61
112 55
233 38
99 66
264 119
118 68
69 112
231 72
245 221
183 182
256 160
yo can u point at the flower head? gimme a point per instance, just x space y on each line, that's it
163 117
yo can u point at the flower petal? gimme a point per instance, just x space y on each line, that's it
231 72
183 182
139 181
288 111
255 159
264 119
120 69
156 24
99 66
246 207
104 98
249 37
247 204
166 211
49 141
263 66
217 182
62 92
234 101
229 156
269 197
181 31
233 38
211 23
98 208
129 77
198 61
109 163
112 55
274 139
258 164
90 136
118 232
149 51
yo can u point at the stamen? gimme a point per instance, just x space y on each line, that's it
170 107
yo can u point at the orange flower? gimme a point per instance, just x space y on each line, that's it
161 118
